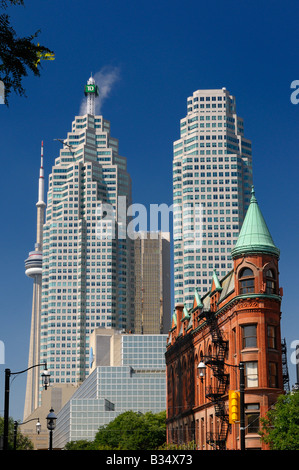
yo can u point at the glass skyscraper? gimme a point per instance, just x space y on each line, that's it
127 373
212 179
87 267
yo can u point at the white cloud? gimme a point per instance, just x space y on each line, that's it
105 79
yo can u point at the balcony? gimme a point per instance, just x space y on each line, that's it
215 393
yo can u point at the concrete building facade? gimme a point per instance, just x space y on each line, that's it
152 283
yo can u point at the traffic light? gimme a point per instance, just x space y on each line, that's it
234 406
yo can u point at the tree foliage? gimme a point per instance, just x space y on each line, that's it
79 445
280 427
128 431
22 442
133 431
18 55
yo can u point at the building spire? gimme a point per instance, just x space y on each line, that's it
253 198
41 184
254 236
215 281
41 173
91 91
40 203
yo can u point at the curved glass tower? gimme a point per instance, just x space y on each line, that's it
212 179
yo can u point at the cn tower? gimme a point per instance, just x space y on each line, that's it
33 269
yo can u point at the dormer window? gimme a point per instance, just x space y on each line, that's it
270 282
246 279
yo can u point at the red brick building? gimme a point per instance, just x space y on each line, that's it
237 321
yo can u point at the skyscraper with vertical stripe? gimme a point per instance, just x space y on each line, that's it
152 300
87 275
212 178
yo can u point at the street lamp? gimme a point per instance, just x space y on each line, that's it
51 424
201 368
38 427
16 424
46 378
8 373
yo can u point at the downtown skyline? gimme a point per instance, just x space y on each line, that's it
145 105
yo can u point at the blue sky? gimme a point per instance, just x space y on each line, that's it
162 51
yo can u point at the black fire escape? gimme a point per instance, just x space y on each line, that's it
216 393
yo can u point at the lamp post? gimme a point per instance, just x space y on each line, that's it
8 373
242 406
201 369
16 424
46 377
51 424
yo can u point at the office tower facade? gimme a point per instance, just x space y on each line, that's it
152 283
212 178
127 372
87 256
33 269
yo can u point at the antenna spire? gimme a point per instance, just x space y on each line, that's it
40 203
91 91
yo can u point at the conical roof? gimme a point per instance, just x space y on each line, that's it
254 236
215 282
197 298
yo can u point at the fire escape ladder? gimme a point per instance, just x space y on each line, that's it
216 393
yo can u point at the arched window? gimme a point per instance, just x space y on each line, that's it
270 282
246 279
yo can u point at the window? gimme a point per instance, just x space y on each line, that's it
251 374
252 418
246 281
234 342
249 336
271 331
273 377
270 282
